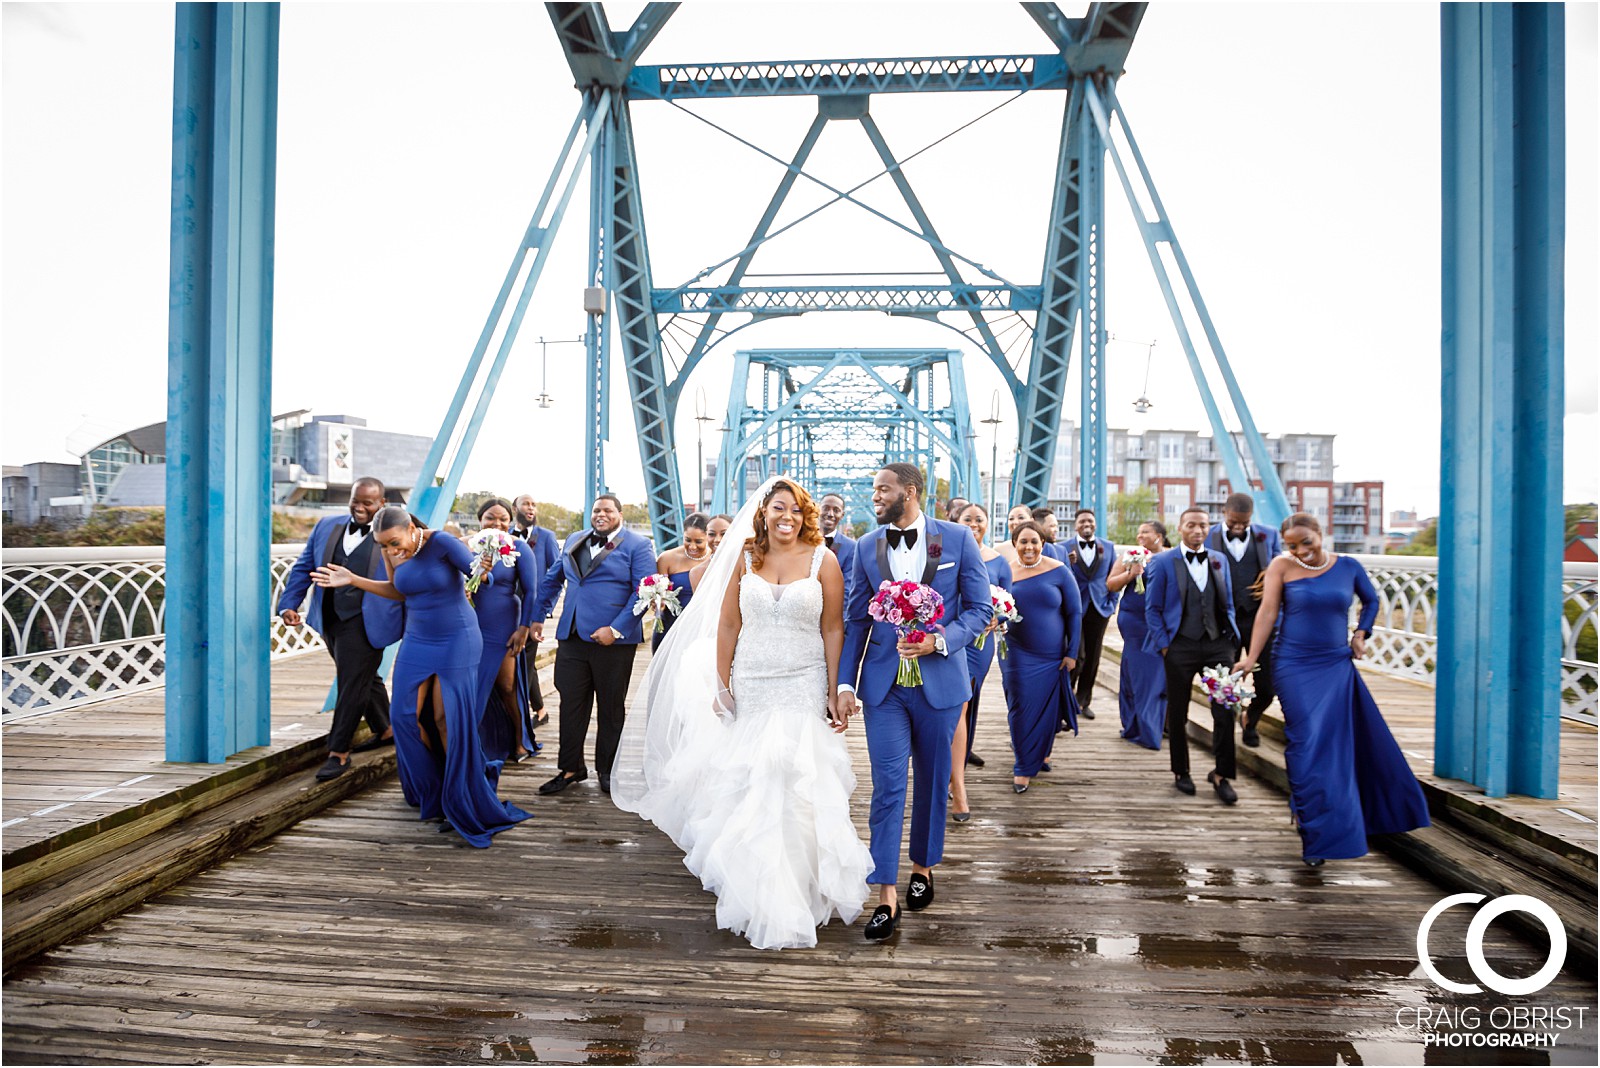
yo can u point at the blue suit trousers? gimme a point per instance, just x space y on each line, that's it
903 728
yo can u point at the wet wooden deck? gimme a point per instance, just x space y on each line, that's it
1100 917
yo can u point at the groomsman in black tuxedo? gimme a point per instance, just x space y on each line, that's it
354 626
601 569
1188 610
1090 559
525 525
1250 547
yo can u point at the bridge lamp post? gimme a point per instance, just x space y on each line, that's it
544 400
994 461
701 419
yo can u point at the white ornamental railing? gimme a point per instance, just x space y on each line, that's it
1405 638
82 625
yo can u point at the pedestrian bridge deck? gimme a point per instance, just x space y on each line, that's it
1098 917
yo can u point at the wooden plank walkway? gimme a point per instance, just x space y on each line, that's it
1099 917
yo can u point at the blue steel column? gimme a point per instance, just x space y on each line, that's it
597 334
1497 721
219 380
1091 288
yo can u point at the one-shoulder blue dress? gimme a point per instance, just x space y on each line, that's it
501 607
979 661
1038 693
1347 776
680 582
1142 682
442 639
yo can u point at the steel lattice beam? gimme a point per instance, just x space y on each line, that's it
848 77
792 300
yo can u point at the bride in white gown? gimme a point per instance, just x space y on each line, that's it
732 746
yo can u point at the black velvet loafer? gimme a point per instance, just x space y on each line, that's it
919 892
884 921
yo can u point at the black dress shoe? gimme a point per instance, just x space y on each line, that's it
975 760
919 891
1085 712
1184 784
1045 766
373 743
1223 788
884 921
605 784
561 782
1251 737
332 769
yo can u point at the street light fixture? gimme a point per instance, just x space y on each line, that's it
701 419
994 463
544 400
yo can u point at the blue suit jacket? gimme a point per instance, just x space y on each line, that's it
384 619
1166 580
955 569
604 598
1055 550
545 548
1092 581
1266 542
844 550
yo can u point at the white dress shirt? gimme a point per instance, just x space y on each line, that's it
352 541
1087 555
906 562
1236 548
1199 570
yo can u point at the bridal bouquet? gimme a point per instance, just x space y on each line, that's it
1137 555
908 607
1005 613
657 592
490 546
1230 689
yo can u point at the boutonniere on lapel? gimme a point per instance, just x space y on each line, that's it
1216 565
935 550
1260 536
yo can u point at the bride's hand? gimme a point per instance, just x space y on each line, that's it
723 704
836 717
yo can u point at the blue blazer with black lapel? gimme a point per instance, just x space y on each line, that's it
1092 580
384 619
955 569
1166 581
604 597
844 550
545 550
1265 540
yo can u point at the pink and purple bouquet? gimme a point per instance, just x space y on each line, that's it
490 547
1230 689
657 593
1005 614
908 607
1137 555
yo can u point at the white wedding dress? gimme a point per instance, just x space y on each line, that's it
759 802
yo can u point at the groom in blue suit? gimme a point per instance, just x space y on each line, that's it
912 724
1188 610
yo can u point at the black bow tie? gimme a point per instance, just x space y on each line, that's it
898 537
360 528
829 539
1196 557
597 540
1241 536
1088 546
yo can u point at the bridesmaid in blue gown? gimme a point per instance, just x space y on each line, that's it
678 563
975 517
1041 648
1142 684
504 609
1347 776
435 679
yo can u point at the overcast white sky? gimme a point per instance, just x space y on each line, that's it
1295 146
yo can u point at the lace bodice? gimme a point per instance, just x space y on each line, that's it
781 630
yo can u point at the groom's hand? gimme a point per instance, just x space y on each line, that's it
910 650
846 704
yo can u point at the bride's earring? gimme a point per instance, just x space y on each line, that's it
416 541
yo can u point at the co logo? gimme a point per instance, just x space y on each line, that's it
1474 945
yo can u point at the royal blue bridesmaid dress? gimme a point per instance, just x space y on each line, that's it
442 639
680 582
1038 693
501 607
979 661
1142 683
1347 776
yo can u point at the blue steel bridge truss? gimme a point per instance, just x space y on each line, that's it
1027 329
830 418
